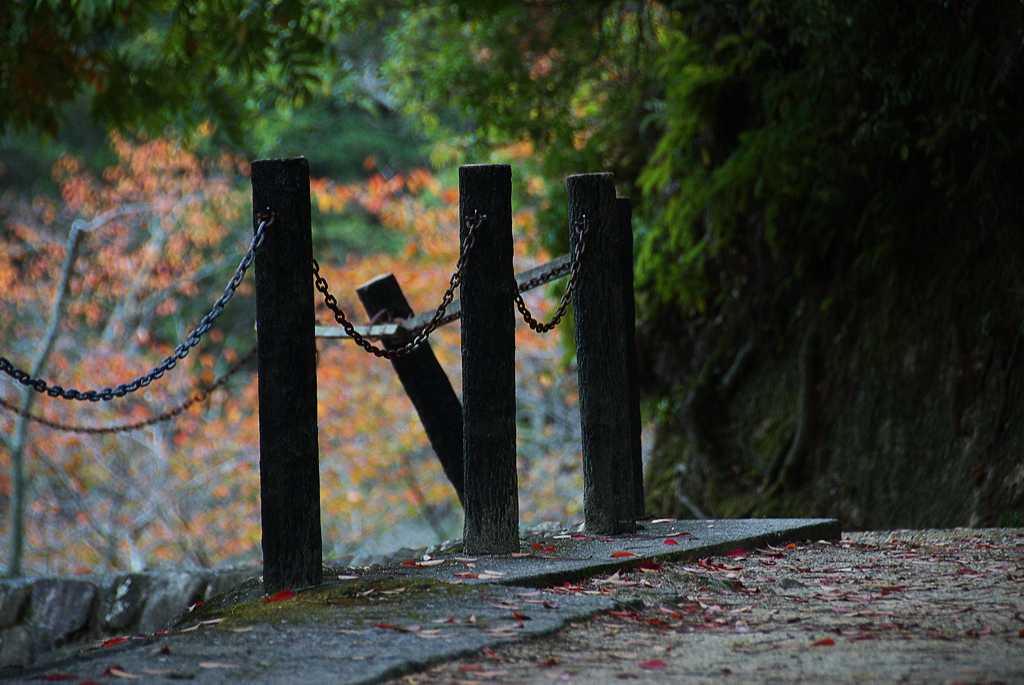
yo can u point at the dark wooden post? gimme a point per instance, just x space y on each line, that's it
609 495
624 221
424 380
491 501
289 452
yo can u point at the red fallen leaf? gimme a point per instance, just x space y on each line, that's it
410 562
620 553
113 641
466 575
670 541
388 626
827 642
660 622
737 554
965 571
580 537
549 549
280 596
652 664
61 676
471 668
650 566
1020 634
521 617
536 545
670 611
166 649
676 535
549 662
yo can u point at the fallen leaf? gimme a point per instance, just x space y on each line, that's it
432 634
670 541
466 575
410 562
653 664
549 662
670 611
827 642
166 649
400 629
737 554
280 596
113 641
217 664
620 553
471 668
61 676
521 617
432 562
650 566
118 672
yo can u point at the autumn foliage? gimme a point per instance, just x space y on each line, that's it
167 230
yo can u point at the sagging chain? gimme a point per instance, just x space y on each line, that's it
423 332
180 352
582 228
197 396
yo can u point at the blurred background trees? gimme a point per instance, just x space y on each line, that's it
828 225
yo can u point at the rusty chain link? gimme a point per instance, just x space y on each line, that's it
197 396
582 227
423 332
180 352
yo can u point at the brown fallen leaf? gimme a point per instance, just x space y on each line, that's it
118 672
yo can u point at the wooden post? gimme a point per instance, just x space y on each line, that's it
624 222
488 363
289 452
424 380
609 494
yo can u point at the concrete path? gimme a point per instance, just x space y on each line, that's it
367 625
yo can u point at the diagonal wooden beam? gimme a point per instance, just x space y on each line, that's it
454 310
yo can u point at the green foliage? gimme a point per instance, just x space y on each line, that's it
827 136
152 62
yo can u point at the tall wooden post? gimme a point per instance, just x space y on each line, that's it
624 222
609 494
491 501
289 452
423 379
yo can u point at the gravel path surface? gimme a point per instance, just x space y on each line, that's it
939 606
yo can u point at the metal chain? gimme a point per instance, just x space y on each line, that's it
197 396
582 228
423 332
180 352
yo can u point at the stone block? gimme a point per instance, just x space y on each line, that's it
14 599
122 599
60 609
168 597
220 582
